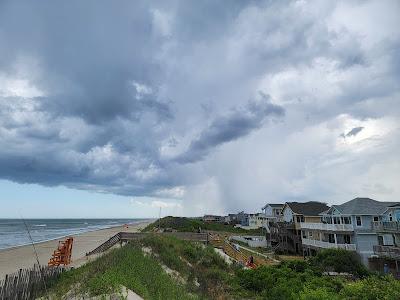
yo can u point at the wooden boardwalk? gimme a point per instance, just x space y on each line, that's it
132 236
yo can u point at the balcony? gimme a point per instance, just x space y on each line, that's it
387 251
327 245
386 226
327 227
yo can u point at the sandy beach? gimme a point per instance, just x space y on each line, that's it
13 259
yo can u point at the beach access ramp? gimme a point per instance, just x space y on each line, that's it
122 237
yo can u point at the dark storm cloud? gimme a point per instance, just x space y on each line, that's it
101 96
353 132
90 52
232 126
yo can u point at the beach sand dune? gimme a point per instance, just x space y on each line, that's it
13 259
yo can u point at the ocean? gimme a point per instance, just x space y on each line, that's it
13 232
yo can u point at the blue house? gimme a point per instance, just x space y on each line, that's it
347 226
387 249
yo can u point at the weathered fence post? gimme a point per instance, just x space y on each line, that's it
27 283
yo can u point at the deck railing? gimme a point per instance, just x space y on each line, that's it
326 245
327 227
387 251
386 226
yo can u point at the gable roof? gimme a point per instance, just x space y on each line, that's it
274 205
310 208
363 206
277 205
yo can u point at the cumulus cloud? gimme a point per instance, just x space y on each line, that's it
151 99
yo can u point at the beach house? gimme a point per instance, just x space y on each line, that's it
387 249
273 212
347 226
253 221
287 232
213 219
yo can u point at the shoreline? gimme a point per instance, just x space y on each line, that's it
148 221
21 257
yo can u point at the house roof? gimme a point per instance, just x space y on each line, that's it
363 206
274 205
310 208
277 205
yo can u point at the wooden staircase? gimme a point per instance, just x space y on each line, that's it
134 236
235 254
106 245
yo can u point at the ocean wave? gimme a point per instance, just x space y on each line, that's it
40 225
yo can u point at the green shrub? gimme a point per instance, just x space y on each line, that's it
296 265
339 260
373 288
318 294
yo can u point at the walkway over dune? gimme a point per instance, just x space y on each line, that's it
133 236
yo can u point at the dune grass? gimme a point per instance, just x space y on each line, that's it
127 266
198 272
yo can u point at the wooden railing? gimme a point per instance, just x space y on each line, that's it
387 251
327 227
322 244
132 236
386 226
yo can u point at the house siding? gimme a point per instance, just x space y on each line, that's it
287 214
365 243
366 223
268 211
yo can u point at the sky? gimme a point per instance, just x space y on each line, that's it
117 109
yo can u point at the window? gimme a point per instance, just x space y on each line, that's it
346 220
310 233
358 221
331 238
336 220
390 217
347 239
376 218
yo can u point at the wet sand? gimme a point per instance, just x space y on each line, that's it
13 259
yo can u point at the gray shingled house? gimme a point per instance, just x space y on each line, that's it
347 226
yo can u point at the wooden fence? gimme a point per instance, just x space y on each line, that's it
28 283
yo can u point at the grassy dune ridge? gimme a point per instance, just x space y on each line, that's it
198 272
183 224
